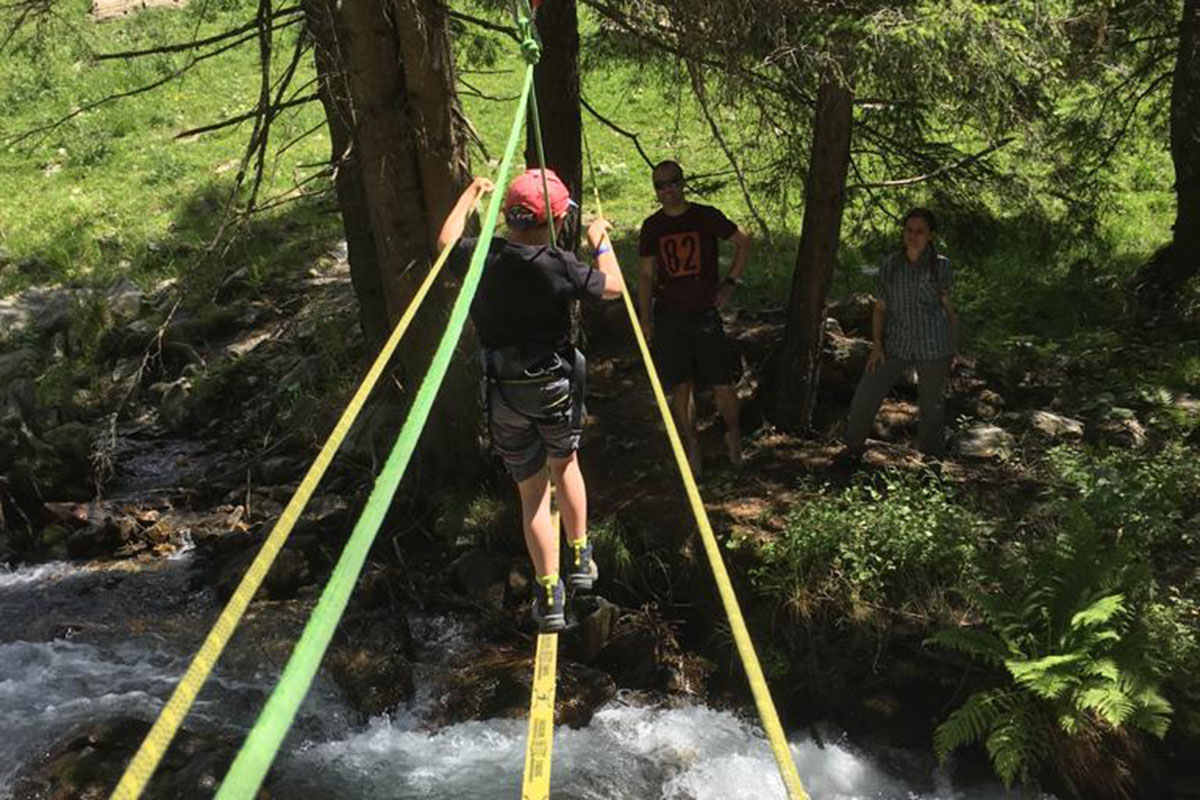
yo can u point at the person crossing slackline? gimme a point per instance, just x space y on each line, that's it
680 294
914 325
534 378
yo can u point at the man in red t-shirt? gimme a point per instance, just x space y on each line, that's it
679 293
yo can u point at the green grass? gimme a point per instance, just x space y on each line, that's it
112 191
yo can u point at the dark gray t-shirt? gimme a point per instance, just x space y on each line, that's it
916 325
525 293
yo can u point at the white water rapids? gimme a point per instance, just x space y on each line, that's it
69 654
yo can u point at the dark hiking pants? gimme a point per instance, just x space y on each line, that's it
931 387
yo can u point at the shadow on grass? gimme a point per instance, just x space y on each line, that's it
264 247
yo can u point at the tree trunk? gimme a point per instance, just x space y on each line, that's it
352 200
556 78
1185 143
1154 292
387 80
824 199
433 103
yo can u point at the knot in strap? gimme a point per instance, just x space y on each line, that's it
530 49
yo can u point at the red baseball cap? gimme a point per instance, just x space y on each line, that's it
528 192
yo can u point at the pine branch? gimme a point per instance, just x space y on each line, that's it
698 87
301 137
940 171
198 43
240 118
474 91
658 39
42 130
618 129
507 30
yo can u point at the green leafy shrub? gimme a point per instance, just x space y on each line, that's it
610 539
879 543
468 520
1071 655
1151 498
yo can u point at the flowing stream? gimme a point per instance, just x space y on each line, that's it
86 642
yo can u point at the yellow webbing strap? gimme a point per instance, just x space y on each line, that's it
151 751
539 743
741 636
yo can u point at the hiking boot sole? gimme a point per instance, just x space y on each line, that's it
581 583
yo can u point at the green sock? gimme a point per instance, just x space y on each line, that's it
577 546
548 582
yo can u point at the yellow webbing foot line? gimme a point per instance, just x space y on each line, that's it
539 743
151 751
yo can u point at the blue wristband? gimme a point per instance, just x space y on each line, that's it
602 249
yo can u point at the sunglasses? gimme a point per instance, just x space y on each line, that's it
672 183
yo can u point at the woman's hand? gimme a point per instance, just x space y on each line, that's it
483 185
876 359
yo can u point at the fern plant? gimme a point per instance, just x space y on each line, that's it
1071 655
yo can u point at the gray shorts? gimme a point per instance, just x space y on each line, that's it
530 420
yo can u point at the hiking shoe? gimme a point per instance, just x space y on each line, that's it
549 606
582 571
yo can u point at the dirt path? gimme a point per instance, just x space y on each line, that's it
110 9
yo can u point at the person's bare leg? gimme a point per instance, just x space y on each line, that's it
727 403
540 538
571 494
684 407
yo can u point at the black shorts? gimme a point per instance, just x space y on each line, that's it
693 347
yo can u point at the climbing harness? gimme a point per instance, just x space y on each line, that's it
508 367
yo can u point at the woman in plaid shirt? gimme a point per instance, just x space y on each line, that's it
913 326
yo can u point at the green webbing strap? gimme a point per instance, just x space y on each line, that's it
250 767
532 50
541 153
